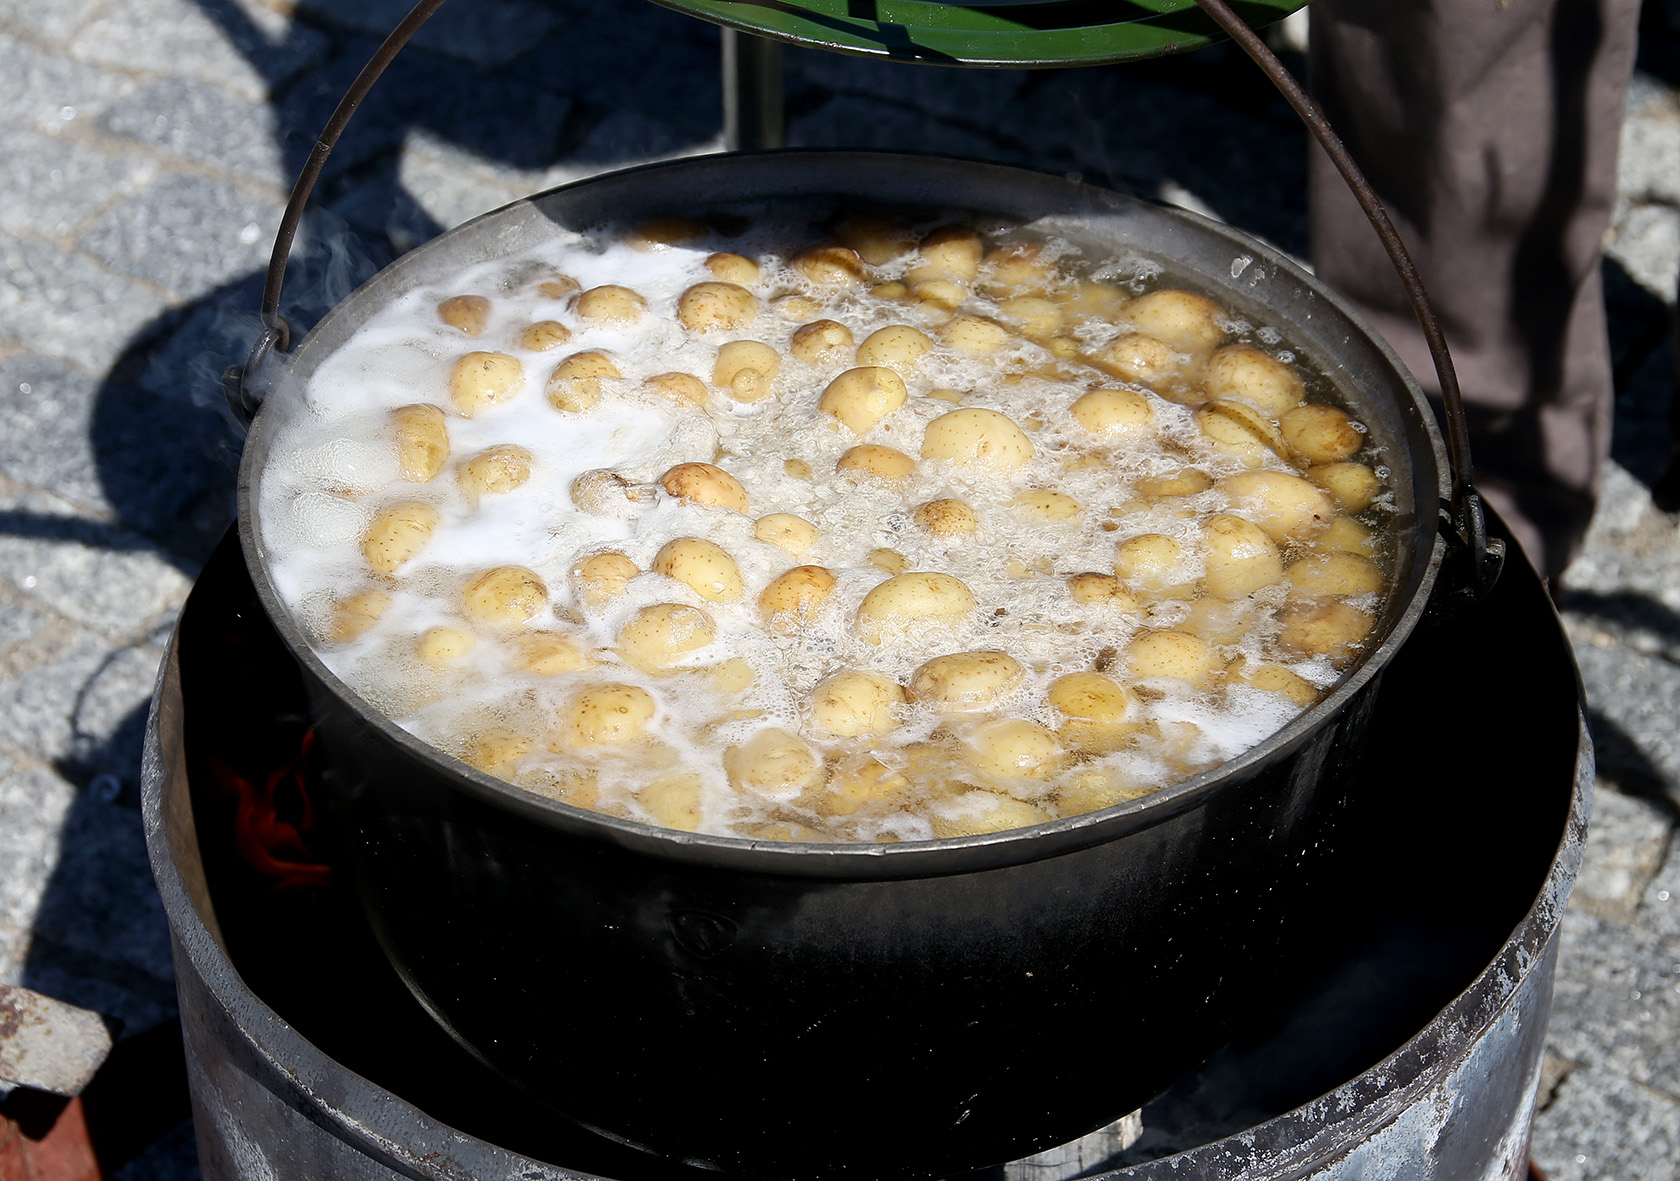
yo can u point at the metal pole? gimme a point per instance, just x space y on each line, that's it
752 92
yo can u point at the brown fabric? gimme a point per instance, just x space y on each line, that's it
1489 129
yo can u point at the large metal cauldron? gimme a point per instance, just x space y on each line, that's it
910 1009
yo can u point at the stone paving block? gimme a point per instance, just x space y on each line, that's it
485 33
64 303
30 634
1632 549
84 710
205 124
238 45
48 408
50 22
977 98
174 1157
33 805
848 122
1630 698
1648 164
49 92
61 184
1647 245
1659 912
1616 1005
186 233
1625 848
1602 1127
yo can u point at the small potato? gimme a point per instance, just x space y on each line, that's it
1240 558
733 676
773 763
858 784
544 335
1088 298
1243 371
889 560
557 286
794 535
496 749
422 441
897 346
1323 628
705 483
1169 654
683 389
1136 356
967 682
878 240
397 533
1320 434
1353 486
1038 316
611 303
443 646
1288 508
602 577
575 384
479 381
657 637
355 614
703 566
1151 566
547 654
974 336
733 268
469 313
1185 482
820 340
882 463
674 801
605 493
657 233
1019 266
1090 696
1017 749
607 715
494 471
1348 536
975 436
913 599
830 264
795 308
1102 590
745 368
1274 678
793 596
977 813
1183 319
949 517
504 594
893 292
712 304
1335 574
955 250
1233 427
797 468
1046 504
855 704
862 397
937 292
1092 789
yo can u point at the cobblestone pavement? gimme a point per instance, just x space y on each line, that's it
149 147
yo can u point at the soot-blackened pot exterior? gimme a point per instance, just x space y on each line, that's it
804 1010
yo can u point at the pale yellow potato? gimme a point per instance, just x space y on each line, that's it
794 596
1241 558
733 268
1089 298
948 517
794 535
504 594
605 493
1105 412
1094 589
544 335
557 286
854 704
797 468
773 763
578 786
469 313
1320 434
660 232
862 397
796 307
978 437
913 599
974 336
889 560
1015 748
1151 566
547 654
657 637
967 682
1183 319
1137 356
856 784
611 303
877 239
893 292
1222 621
444 645
1330 628
955 250
1039 318
1092 789
602 577
1184 482
1046 504
1288 508
745 368
478 381
820 340
607 715
715 304
938 292
397 533
575 384
494 471
1347 535
733 676
1169 654
1353 486
1274 678
422 441
703 566
674 801
1233 427
496 749
705 483
977 813
684 389
897 346
355 614
1090 696
1019 266
1335 574
871 459
829 264
1243 371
